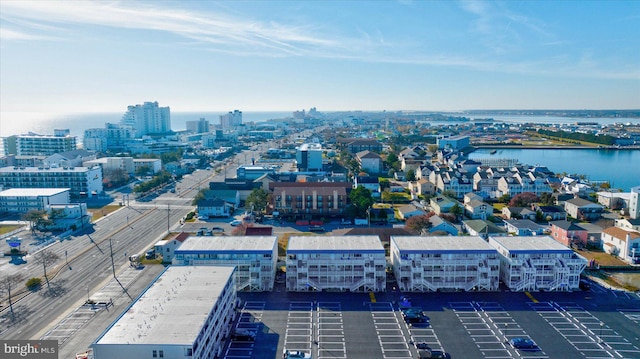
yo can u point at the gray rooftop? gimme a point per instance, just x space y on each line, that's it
173 309
441 243
530 243
334 243
12 169
228 244
32 192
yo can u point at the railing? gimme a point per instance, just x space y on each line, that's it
358 284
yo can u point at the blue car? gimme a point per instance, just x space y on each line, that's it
523 343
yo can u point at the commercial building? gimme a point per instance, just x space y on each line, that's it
427 264
39 145
454 142
634 203
187 312
532 263
82 181
147 118
128 165
254 256
340 263
309 157
23 200
253 172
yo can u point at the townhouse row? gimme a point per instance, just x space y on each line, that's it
417 264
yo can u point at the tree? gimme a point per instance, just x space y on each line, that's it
504 198
547 199
199 196
524 199
411 175
257 199
456 210
418 223
38 220
46 257
392 161
432 148
361 199
449 193
114 177
8 282
143 170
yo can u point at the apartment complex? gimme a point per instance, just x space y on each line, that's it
230 120
39 145
82 181
429 264
340 263
254 257
532 263
200 126
186 313
308 199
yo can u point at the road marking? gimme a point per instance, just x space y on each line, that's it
373 297
531 297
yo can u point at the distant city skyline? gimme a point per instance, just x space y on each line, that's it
72 56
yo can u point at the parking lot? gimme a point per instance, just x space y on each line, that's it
466 325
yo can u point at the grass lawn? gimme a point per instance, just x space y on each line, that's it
101 212
602 258
8 228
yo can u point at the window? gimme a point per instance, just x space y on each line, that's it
155 354
161 352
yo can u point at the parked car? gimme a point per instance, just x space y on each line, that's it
235 223
523 343
217 229
422 345
584 284
296 354
438 354
316 229
243 335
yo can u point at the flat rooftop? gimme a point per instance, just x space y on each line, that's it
173 309
442 244
12 169
32 192
309 244
227 244
531 244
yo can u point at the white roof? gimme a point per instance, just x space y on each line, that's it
228 243
173 310
334 243
32 192
12 169
441 243
530 244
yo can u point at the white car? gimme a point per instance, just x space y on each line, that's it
296 354
235 223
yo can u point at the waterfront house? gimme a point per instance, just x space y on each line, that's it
582 209
622 243
482 228
523 227
569 233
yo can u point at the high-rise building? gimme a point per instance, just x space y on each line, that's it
33 144
309 157
200 126
148 118
231 120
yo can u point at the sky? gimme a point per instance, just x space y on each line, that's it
101 56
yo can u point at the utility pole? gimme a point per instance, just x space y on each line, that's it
168 212
113 265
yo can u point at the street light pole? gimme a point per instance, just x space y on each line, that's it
168 213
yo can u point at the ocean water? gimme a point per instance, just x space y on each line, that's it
15 123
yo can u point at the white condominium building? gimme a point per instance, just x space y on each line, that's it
254 256
342 263
23 200
83 181
148 118
531 263
186 313
39 145
422 264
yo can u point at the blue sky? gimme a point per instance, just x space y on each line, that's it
75 56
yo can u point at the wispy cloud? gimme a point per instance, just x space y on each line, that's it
497 27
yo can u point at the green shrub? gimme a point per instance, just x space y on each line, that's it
33 283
